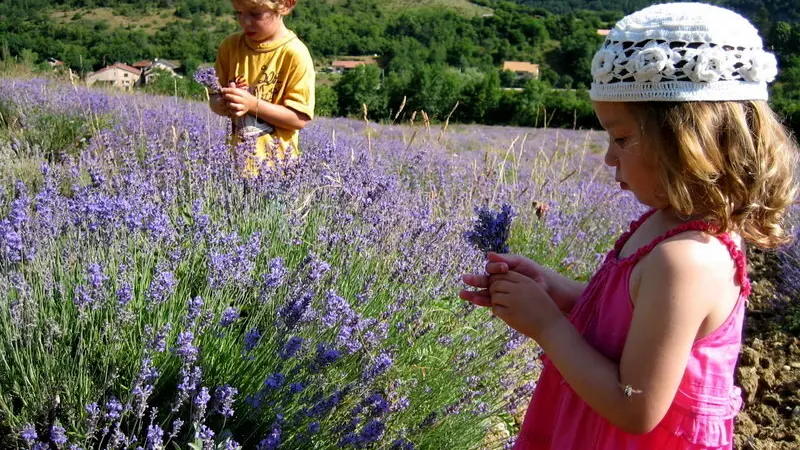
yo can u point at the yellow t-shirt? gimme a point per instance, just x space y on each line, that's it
279 72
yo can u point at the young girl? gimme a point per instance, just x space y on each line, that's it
643 357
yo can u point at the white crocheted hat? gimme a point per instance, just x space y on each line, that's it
682 52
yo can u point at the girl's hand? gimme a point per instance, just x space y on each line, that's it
522 303
500 264
239 100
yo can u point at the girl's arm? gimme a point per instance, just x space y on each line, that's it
679 286
565 291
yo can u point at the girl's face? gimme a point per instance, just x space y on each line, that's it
258 24
628 154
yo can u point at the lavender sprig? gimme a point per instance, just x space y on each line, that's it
491 229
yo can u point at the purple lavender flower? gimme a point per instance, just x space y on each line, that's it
251 339
155 437
277 273
230 444
177 424
163 285
325 356
28 434
401 444
295 310
83 298
113 409
229 316
124 294
272 441
317 268
380 365
224 398
200 402
92 417
372 432
195 305
491 229
204 433
207 76
185 347
292 346
296 388
159 341
275 381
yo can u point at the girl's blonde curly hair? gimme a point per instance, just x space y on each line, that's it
732 163
277 6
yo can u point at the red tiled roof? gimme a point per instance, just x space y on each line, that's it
122 66
347 64
142 63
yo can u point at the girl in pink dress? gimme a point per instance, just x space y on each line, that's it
643 357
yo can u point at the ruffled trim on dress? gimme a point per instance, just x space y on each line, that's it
711 429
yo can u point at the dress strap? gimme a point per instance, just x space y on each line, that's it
699 225
631 229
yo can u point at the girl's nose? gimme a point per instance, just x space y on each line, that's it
611 157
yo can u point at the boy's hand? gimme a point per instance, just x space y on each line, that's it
240 101
522 303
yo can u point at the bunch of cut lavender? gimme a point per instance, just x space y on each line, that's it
490 230
207 76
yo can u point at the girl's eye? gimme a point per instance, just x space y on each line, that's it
620 142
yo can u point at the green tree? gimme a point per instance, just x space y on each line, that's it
358 87
326 102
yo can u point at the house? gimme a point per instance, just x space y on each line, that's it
603 32
522 69
55 63
148 68
351 62
117 75
345 65
143 64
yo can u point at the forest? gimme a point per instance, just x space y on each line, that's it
431 57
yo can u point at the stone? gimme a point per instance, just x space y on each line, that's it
749 357
748 379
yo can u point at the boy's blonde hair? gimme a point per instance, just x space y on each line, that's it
732 163
276 6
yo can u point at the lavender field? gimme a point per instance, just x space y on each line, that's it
152 297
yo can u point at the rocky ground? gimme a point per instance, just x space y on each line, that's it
769 367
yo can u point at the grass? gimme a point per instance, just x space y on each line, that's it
150 21
155 19
464 7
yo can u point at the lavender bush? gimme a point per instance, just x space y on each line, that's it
152 296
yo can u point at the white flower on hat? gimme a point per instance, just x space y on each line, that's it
708 65
653 62
763 67
602 64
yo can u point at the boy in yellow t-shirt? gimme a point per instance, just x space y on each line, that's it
267 78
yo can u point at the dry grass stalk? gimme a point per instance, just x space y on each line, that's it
369 130
402 105
447 122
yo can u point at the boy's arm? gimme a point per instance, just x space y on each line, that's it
242 102
280 116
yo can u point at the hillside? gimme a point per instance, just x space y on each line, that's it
756 10
150 19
